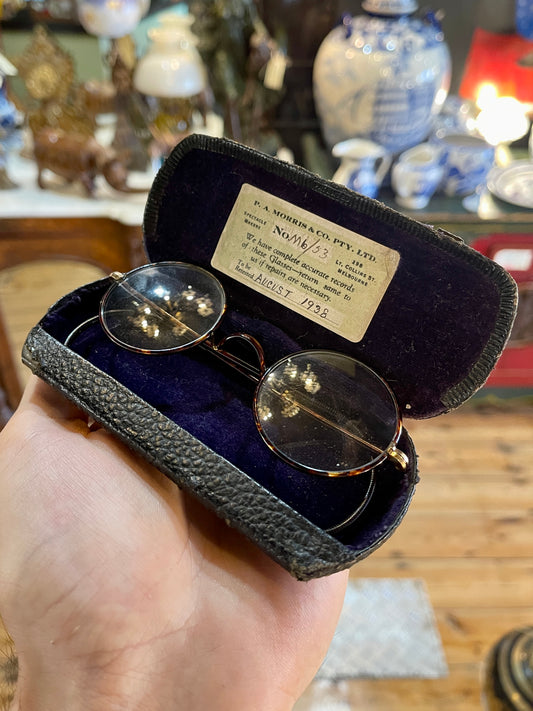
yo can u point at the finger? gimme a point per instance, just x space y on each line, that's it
40 396
52 408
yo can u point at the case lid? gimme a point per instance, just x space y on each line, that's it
303 256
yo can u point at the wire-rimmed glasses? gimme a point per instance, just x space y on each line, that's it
321 411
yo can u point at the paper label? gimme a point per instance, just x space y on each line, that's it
334 276
275 71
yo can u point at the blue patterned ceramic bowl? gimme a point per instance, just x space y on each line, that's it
467 160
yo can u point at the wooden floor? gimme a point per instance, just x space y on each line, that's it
468 535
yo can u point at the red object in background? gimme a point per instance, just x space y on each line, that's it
496 59
514 252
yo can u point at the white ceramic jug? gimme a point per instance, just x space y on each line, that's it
417 175
364 165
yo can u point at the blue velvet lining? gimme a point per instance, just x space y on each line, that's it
213 402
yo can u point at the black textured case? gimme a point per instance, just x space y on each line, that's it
436 335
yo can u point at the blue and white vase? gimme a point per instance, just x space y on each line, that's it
11 122
383 76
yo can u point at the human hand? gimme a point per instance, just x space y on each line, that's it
122 592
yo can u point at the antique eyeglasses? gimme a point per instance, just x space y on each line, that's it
321 411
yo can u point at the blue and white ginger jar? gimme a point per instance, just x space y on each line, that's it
383 76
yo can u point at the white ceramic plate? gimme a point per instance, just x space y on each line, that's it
513 184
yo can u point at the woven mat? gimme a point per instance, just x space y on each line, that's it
386 629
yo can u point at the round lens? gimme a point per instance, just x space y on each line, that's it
327 413
162 307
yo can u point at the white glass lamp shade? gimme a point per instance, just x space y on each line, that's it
110 18
172 67
390 7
